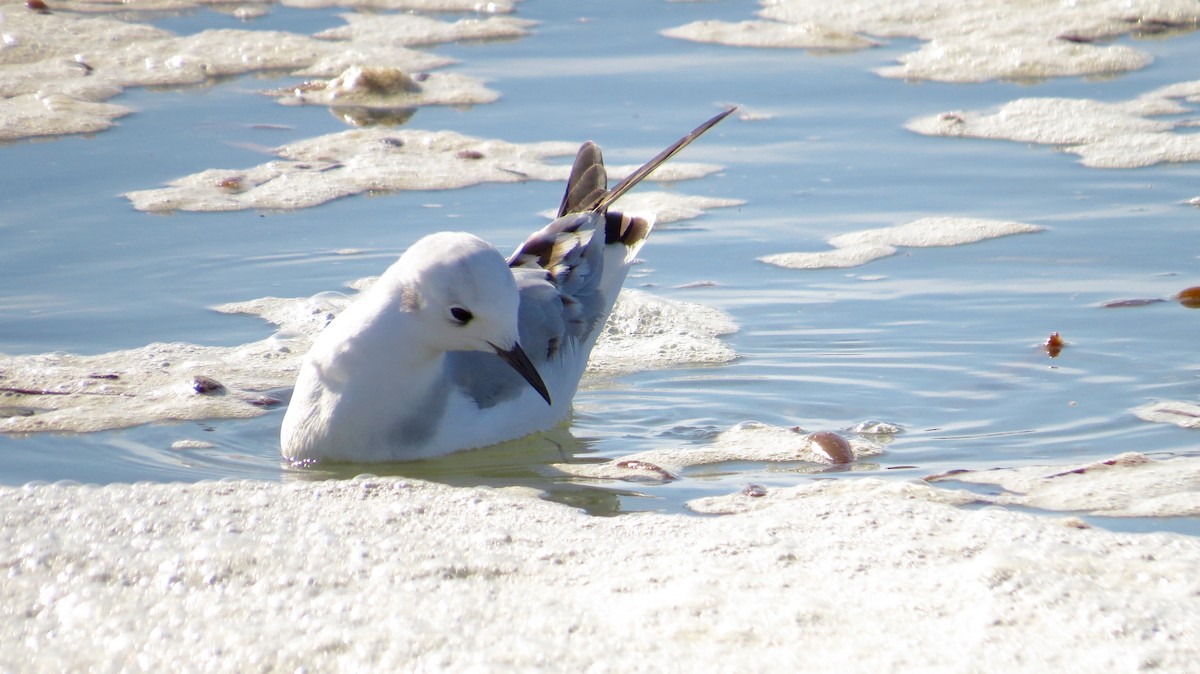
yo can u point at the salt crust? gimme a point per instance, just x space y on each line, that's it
747 441
69 392
487 6
647 332
320 169
857 248
1105 135
381 574
1178 412
56 69
964 40
386 89
233 6
769 34
407 30
1127 485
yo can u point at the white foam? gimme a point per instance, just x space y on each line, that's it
385 89
1124 134
58 68
769 34
648 332
70 392
968 41
391 575
857 248
407 30
1127 485
1179 412
484 6
335 165
323 168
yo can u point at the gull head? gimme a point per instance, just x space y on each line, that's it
461 293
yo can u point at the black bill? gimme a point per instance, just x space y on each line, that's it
520 362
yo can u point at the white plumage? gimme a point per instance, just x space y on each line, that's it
455 347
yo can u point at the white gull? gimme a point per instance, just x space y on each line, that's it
455 347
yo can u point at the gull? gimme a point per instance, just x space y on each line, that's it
456 347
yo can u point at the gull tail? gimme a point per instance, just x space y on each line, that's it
566 270
559 245
587 186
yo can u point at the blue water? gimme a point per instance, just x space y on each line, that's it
943 342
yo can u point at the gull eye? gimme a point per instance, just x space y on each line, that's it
460 315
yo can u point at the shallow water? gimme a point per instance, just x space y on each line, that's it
942 341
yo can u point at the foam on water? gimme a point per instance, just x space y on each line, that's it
316 170
180 381
1179 412
60 67
1126 134
971 41
1128 485
386 89
856 248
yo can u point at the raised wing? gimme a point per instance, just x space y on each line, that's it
567 283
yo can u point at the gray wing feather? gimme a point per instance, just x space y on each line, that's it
588 182
558 272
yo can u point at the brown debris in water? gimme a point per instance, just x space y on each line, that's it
831 445
661 473
1189 297
1053 345
207 385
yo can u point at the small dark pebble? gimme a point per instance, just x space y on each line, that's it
108 375
754 491
394 142
206 385
469 154
37 6
264 401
